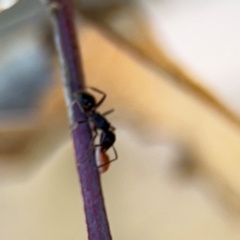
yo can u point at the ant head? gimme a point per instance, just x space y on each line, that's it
107 139
86 100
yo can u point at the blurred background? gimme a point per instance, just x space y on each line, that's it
178 172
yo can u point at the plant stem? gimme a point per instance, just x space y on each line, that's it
73 81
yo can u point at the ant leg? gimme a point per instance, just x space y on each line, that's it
107 112
112 128
100 92
75 124
83 121
116 155
112 160
90 148
76 101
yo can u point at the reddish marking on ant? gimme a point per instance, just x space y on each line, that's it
102 159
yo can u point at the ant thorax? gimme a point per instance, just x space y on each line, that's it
99 121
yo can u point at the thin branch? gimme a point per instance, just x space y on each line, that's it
72 77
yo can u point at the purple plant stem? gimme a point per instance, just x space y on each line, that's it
73 81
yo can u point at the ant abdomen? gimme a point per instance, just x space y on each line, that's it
102 160
107 140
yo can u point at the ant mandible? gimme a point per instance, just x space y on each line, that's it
88 104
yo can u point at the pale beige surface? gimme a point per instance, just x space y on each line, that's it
142 201
157 126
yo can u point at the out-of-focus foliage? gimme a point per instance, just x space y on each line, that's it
164 134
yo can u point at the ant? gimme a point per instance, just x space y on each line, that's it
88 104
102 160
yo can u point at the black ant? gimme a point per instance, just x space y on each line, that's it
88 104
